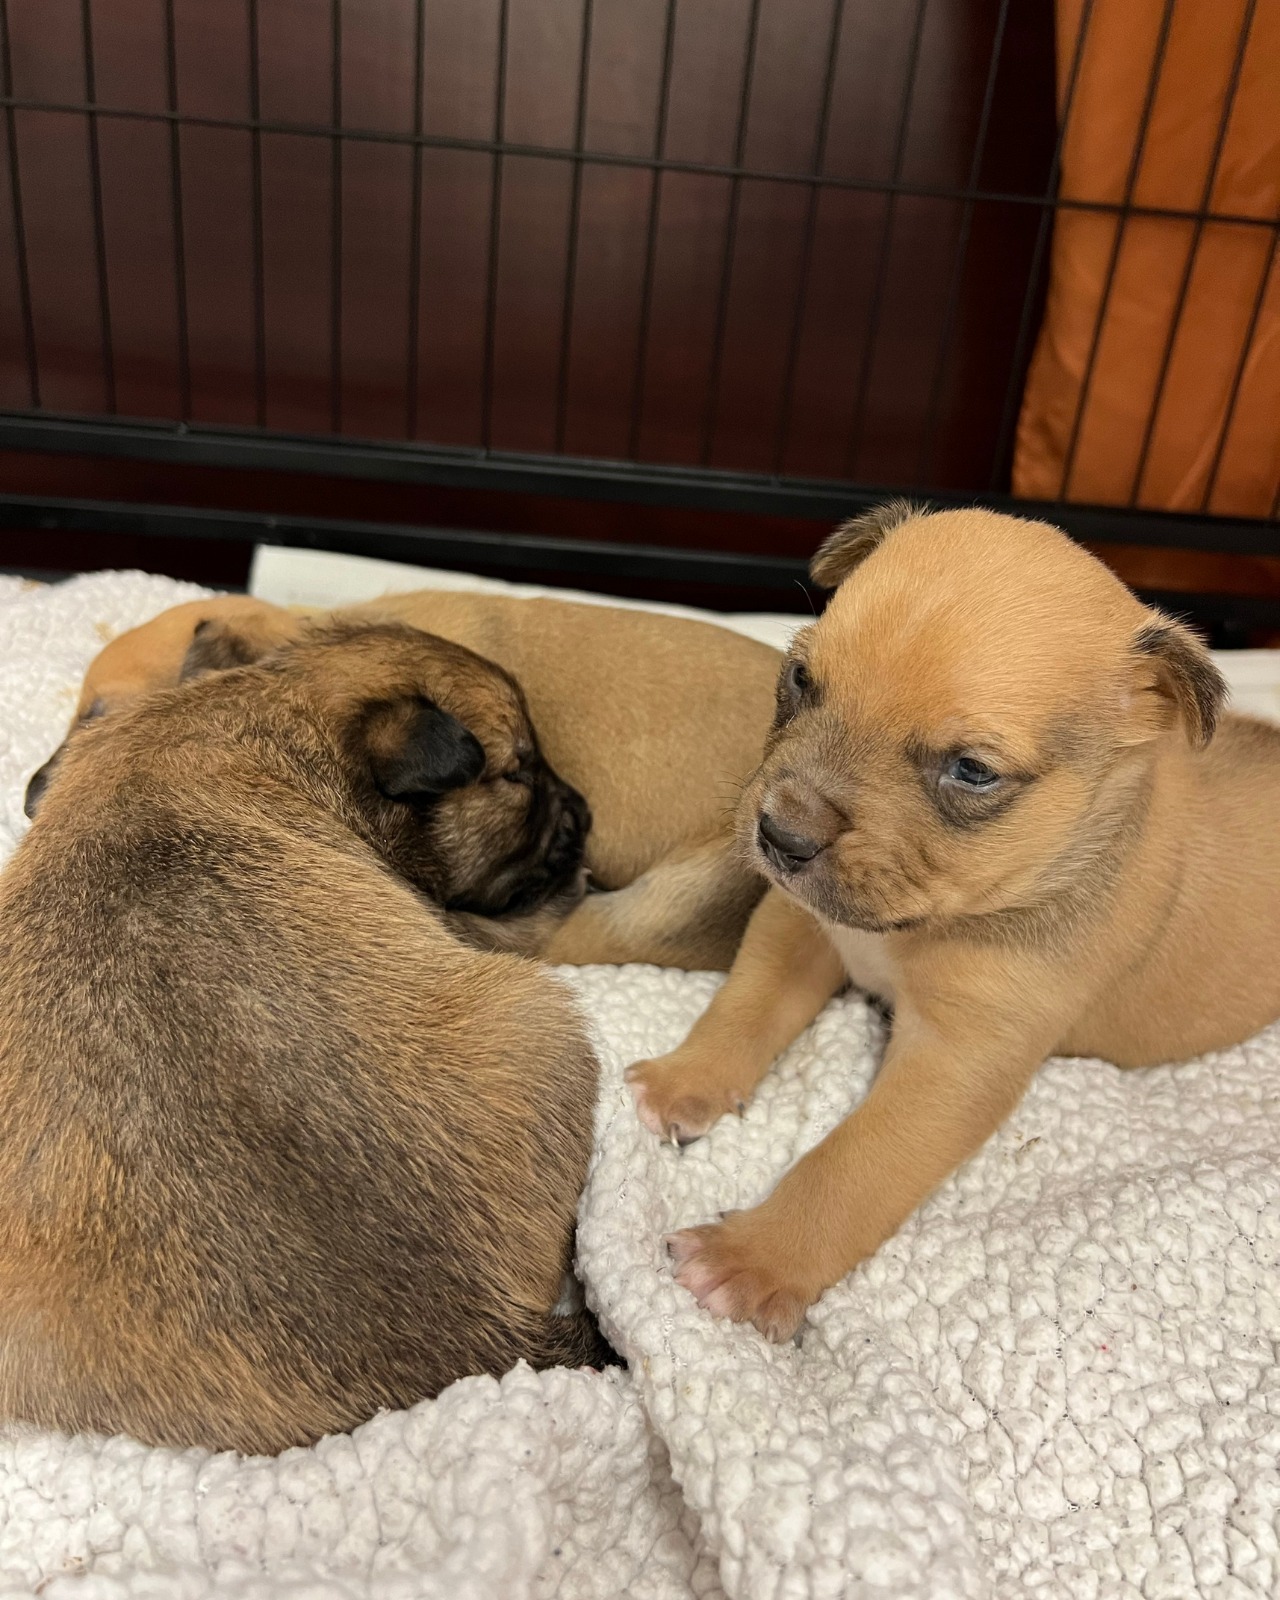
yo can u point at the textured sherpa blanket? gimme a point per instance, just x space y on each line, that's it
1059 1379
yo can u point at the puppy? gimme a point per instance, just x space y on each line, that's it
275 1150
998 793
658 720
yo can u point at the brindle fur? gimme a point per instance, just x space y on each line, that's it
276 1150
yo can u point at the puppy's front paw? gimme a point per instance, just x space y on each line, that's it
678 1103
737 1269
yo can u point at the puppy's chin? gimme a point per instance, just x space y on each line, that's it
815 886
810 884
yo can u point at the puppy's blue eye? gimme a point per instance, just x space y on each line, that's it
972 773
798 679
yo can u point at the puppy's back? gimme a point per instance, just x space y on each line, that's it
275 1151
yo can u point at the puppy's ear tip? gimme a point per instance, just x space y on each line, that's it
854 540
1186 675
215 647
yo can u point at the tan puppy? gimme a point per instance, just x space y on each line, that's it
275 1149
657 720
998 795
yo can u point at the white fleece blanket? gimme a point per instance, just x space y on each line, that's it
1059 1379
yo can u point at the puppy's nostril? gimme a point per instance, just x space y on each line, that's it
789 850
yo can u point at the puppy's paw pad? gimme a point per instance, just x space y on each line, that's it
647 1108
667 1106
680 1246
729 1276
694 1260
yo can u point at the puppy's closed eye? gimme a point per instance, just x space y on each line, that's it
519 769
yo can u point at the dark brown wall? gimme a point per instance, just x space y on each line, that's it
525 300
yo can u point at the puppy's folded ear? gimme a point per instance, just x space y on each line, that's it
216 647
418 752
853 541
1179 679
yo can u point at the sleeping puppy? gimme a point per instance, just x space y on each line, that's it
657 720
275 1149
999 794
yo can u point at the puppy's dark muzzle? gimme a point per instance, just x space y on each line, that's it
787 852
548 864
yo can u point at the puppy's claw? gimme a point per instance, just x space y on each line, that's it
672 1105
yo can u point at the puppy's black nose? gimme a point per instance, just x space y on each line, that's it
788 851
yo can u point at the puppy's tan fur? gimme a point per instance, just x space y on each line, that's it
275 1149
657 720
1114 892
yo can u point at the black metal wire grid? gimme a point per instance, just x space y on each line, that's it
37 427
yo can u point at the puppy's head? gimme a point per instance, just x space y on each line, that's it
969 725
152 657
438 757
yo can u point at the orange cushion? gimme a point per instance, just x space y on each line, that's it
1170 399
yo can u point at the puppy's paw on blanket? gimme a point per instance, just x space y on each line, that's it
737 1269
678 1103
